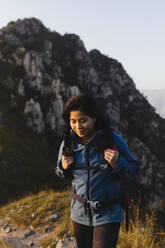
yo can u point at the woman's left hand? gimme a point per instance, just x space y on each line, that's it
111 156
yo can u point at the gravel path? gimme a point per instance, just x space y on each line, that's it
26 238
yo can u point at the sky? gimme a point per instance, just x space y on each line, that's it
133 32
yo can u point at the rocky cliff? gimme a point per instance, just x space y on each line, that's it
40 69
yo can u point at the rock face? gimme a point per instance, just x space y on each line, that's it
34 116
18 32
49 68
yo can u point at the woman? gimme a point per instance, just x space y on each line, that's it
95 156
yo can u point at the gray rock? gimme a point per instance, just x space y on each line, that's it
8 229
29 233
67 243
48 229
21 88
15 242
54 217
35 119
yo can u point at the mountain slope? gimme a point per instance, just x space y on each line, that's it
40 69
26 160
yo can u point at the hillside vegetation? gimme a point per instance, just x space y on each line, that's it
36 210
27 160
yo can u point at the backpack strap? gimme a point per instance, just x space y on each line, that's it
109 142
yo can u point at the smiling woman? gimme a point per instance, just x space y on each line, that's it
83 125
95 156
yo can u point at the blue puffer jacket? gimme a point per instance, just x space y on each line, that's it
97 185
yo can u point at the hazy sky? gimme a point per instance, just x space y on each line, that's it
133 32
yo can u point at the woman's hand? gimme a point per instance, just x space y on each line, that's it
111 156
67 161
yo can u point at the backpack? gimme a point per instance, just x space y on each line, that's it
124 194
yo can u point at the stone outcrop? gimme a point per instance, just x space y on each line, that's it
18 32
52 67
34 116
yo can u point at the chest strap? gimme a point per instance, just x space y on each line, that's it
97 206
94 205
96 168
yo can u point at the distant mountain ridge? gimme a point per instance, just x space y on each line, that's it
157 98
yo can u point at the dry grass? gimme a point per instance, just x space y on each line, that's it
4 245
49 243
142 233
36 210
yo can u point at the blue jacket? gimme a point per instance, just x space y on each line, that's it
93 184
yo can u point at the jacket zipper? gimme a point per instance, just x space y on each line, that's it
88 183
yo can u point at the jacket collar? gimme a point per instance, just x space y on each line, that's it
96 140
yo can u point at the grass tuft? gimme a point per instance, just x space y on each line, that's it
4 245
142 233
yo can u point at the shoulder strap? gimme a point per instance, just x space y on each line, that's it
108 138
125 200
69 144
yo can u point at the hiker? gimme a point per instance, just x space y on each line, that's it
95 156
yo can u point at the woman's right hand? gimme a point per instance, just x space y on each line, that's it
67 161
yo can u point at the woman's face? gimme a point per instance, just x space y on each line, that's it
82 124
